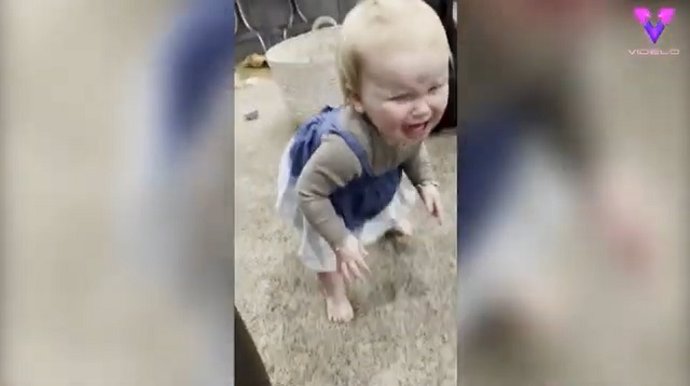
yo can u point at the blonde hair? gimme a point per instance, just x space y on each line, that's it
379 25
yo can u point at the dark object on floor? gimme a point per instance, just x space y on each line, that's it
249 368
444 9
251 116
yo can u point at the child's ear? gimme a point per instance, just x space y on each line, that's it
356 103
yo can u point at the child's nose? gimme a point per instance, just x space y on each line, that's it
421 109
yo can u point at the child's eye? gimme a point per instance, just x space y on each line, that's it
401 97
435 88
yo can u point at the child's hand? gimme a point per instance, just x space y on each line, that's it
432 200
350 259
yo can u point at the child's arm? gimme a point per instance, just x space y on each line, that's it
420 172
418 168
332 166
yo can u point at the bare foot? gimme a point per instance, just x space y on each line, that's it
338 307
403 228
339 310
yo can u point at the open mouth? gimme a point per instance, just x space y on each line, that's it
415 130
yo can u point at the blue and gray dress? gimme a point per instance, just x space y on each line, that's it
338 177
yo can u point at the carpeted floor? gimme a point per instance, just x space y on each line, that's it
404 330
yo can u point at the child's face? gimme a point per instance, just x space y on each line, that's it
404 93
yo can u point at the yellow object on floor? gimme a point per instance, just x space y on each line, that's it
254 61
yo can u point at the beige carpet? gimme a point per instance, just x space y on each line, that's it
404 331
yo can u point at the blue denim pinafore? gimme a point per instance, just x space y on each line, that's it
363 198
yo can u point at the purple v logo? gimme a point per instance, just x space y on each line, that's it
644 15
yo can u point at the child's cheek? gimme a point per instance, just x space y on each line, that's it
392 113
443 100
381 118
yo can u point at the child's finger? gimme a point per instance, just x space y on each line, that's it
362 250
364 265
429 202
355 271
345 271
439 211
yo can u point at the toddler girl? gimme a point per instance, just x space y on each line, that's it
339 180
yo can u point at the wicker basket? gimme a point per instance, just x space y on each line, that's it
305 70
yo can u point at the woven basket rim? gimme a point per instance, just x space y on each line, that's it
277 53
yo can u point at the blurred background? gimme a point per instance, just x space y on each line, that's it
572 194
116 265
